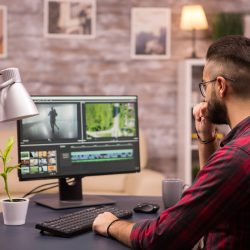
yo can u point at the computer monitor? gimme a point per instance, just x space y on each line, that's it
78 136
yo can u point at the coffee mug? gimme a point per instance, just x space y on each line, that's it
171 191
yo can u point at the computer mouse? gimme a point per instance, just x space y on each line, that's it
147 208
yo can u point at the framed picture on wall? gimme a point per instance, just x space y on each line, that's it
247 26
70 18
3 31
150 33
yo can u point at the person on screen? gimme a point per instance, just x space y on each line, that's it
216 207
53 114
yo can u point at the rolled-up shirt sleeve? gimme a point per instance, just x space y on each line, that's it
218 189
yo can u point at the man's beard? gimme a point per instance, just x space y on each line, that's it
217 111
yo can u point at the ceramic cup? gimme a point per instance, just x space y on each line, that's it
171 191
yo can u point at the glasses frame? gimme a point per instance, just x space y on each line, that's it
203 85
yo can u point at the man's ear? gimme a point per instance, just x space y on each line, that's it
222 86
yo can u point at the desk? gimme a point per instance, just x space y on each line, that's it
26 237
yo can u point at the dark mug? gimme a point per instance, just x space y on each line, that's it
171 191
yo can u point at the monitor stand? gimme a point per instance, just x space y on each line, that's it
70 196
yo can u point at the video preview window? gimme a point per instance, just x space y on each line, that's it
54 122
105 120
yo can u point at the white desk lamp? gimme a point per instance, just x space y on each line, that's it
15 102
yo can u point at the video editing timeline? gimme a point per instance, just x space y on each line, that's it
114 155
75 135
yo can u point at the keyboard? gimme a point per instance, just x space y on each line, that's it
71 224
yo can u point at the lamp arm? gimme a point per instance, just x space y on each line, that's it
7 83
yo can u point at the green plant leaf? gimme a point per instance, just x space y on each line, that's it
7 169
11 168
8 148
3 175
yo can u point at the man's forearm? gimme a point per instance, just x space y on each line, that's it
205 151
121 231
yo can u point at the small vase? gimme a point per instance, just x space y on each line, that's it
14 213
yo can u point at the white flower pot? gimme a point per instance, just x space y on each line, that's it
14 213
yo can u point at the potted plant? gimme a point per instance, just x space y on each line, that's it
14 209
227 24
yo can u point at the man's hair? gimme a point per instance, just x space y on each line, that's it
232 55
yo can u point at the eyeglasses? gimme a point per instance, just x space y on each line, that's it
203 85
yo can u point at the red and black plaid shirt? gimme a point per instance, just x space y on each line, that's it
216 206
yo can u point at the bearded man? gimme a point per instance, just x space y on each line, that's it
217 205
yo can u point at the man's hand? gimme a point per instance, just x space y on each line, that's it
119 230
204 128
206 133
102 221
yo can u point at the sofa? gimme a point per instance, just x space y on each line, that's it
147 182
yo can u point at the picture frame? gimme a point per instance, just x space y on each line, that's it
247 26
150 33
70 19
3 31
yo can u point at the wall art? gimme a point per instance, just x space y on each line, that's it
70 18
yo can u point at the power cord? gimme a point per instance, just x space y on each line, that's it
51 185
35 190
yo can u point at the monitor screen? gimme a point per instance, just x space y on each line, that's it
78 136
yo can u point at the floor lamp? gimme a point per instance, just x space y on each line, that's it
15 102
193 18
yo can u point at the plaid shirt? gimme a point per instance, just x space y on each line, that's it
216 206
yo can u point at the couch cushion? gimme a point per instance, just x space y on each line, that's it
104 183
143 150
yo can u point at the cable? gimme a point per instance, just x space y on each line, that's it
32 191
44 189
55 184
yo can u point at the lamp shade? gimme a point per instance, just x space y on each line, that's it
193 17
15 102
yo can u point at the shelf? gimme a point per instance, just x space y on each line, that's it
189 75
